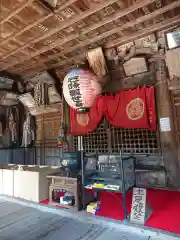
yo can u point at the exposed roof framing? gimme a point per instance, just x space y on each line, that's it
48 39
123 40
95 26
62 26
36 22
101 36
15 11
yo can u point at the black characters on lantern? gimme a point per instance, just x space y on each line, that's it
74 91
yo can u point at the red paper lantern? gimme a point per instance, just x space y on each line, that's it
80 88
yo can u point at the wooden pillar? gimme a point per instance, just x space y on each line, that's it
167 138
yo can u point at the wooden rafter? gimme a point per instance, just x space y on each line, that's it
117 15
107 20
64 25
52 38
26 28
36 22
65 5
168 23
132 37
68 61
108 33
16 11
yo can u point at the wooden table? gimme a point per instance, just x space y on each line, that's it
71 184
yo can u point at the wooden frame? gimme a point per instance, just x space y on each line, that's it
136 66
65 183
166 38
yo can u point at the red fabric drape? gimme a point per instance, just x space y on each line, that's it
128 109
151 108
112 105
95 115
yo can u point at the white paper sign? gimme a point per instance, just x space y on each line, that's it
165 124
138 209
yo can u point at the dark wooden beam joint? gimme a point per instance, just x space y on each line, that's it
167 138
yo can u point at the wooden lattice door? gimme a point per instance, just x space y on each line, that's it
108 138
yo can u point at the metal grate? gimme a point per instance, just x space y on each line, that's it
107 137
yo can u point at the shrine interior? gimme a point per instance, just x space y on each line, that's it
90 107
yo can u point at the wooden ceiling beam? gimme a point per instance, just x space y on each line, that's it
108 33
118 14
45 5
68 61
16 11
26 28
26 73
36 22
107 20
64 25
64 5
168 23
27 67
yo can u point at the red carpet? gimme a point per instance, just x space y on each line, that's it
164 204
112 205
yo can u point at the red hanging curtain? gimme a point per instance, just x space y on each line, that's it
128 109
151 108
112 105
93 118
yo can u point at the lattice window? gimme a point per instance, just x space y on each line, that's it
106 137
133 140
95 141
